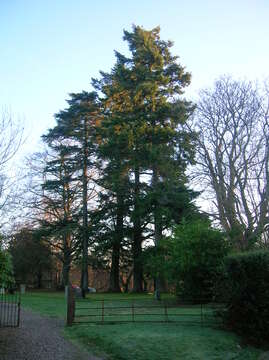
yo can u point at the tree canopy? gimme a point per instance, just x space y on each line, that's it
114 187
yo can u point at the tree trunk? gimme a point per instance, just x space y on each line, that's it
157 232
39 279
114 282
114 279
66 236
66 260
85 240
65 274
137 239
126 283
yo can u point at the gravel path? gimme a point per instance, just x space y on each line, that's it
38 338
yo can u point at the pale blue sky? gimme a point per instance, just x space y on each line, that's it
50 48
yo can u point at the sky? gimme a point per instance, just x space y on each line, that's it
54 47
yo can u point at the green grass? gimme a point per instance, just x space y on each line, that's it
140 308
144 341
47 303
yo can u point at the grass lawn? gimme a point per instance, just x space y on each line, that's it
144 341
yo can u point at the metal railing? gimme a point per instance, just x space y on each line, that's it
10 310
107 311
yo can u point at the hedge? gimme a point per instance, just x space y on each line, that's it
247 294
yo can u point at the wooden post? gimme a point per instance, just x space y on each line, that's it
19 311
165 312
202 315
103 310
132 311
70 306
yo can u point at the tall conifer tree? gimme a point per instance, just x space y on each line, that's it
55 205
145 117
76 128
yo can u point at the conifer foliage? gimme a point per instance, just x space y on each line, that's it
131 132
144 127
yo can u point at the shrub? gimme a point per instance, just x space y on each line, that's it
190 260
30 255
198 252
247 294
6 271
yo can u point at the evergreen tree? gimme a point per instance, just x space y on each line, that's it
57 207
76 129
144 122
113 200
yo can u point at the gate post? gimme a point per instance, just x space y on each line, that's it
70 306
19 311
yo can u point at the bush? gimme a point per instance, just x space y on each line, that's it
198 253
247 294
31 256
190 260
6 270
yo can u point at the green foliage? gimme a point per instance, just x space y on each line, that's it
144 143
73 140
132 132
6 270
191 259
31 256
198 252
247 294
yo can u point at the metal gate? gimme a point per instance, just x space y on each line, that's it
148 310
10 310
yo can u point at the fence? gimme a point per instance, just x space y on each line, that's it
10 310
137 310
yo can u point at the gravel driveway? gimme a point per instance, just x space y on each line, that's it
38 338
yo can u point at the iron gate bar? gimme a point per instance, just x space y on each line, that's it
123 307
136 321
198 313
9 310
136 314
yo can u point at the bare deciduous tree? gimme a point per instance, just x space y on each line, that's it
11 136
51 203
233 157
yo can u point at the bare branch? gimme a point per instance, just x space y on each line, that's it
232 156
